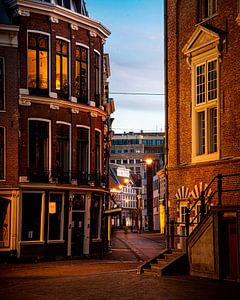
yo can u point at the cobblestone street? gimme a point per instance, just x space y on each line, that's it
111 278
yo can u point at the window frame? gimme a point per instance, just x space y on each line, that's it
37 90
89 148
60 92
100 150
88 72
49 143
62 219
205 107
4 83
97 85
4 154
42 218
70 144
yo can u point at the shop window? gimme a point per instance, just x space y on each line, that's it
32 209
38 55
62 65
2 84
63 152
83 153
38 150
81 77
2 153
55 217
4 223
79 202
97 76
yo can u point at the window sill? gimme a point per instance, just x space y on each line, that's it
207 19
32 242
205 157
56 241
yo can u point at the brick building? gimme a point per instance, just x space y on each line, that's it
54 129
203 40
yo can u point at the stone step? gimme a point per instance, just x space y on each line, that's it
151 272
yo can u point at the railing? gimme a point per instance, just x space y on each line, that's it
67 177
210 196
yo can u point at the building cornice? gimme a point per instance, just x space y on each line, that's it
59 12
27 100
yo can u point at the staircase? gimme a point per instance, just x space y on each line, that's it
166 263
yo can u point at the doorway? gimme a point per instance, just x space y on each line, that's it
4 223
77 233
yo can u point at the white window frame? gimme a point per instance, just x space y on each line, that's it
5 154
100 75
49 56
49 142
4 84
100 132
41 240
70 144
206 106
69 63
62 220
89 143
88 50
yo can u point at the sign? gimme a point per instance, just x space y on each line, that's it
52 207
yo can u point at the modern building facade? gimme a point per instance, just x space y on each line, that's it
54 129
132 149
203 132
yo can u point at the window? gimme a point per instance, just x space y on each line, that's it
38 53
183 211
55 217
81 79
97 87
2 153
2 84
125 161
112 161
62 64
97 153
39 150
119 161
206 107
207 8
32 208
83 154
63 152
96 216
131 161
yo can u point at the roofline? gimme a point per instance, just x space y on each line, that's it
60 12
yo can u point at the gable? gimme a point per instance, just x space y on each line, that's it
202 38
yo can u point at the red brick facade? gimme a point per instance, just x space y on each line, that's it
183 21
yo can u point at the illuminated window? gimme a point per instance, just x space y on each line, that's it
97 78
62 64
55 217
2 153
83 149
5 209
38 63
2 84
206 107
81 79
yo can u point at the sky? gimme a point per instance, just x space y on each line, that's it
136 50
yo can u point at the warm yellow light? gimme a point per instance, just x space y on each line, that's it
120 186
126 180
149 161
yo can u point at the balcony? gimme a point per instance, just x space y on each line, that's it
67 177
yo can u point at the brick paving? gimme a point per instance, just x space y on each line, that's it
111 278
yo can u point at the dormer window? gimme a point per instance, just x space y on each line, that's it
38 55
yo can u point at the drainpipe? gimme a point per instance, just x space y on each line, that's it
166 116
